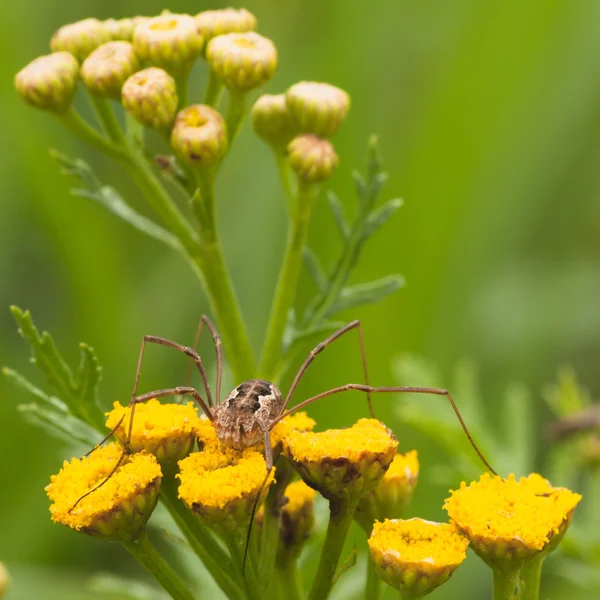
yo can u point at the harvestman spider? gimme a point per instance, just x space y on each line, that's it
254 407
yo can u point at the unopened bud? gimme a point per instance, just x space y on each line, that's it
199 136
169 41
313 158
151 97
120 29
80 38
4 580
242 61
107 68
228 20
317 108
49 82
272 122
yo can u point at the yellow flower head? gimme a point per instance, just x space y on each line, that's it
343 463
393 494
416 556
510 520
120 507
166 430
221 485
297 422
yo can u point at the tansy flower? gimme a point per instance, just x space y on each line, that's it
416 556
120 507
511 520
343 463
393 494
166 430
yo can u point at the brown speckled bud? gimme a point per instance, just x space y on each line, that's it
199 136
80 38
49 82
242 61
151 97
120 29
169 41
317 108
107 68
228 20
312 158
272 122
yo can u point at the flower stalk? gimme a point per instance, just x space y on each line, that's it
505 583
530 577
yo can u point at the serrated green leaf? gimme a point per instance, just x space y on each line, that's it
361 187
111 200
346 565
366 293
338 214
381 216
89 375
19 381
57 424
314 268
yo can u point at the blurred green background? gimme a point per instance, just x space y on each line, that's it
489 122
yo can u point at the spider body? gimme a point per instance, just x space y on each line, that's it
243 417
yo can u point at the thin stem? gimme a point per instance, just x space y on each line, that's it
373 586
145 553
236 111
134 132
225 304
270 533
74 122
107 118
182 89
531 575
287 282
248 578
288 579
214 89
200 539
505 584
285 177
341 515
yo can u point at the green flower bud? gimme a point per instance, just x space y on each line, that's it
120 29
313 158
49 82
80 38
4 580
151 97
242 61
169 41
228 20
318 108
199 136
107 68
272 122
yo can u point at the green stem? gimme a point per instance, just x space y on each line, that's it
181 82
107 118
200 539
222 296
214 89
373 586
134 132
85 132
531 575
145 553
505 583
270 532
341 516
285 177
288 579
248 578
287 282
236 111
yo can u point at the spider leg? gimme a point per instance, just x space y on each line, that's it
204 320
367 389
319 348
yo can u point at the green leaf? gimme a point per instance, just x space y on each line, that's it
111 200
366 293
19 381
338 214
89 375
314 268
381 216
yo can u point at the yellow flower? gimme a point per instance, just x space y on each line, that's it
416 556
80 38
120 507
343 463
508 521
166 430
313 159
272 121
211 23
393 494
220 485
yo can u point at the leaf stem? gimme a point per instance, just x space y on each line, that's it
341 516
505 583
531 575
145 553
214 89
289 275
